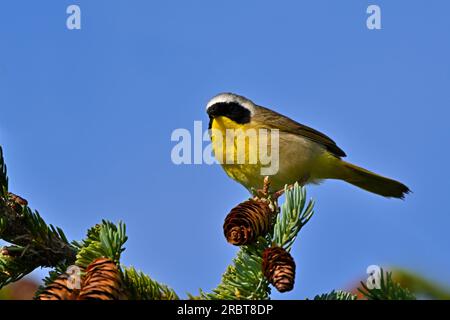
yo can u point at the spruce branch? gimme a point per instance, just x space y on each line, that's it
26 228
3 175
139 286
388 289
293 216
420 285
244 278
35 244
104 240
104 244
13 268
336 295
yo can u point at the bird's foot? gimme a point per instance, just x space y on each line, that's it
301 182
264 192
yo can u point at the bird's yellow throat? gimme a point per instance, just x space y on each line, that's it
224 141
245 148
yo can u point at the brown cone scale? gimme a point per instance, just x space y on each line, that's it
247 221
278 267
102 281
59 289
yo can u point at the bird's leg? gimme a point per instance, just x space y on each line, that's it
301 182
280 192
264 192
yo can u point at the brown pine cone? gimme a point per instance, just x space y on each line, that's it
247 221
62 288
278 267
102 281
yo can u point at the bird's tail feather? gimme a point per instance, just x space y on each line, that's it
372 182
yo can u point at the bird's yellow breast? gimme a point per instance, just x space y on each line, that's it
235 146
233 142
298 157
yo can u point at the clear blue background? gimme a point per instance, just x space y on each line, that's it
86 118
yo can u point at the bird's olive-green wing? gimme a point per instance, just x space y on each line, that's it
274 120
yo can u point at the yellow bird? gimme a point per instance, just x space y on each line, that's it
239 128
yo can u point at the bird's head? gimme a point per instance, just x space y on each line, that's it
237 108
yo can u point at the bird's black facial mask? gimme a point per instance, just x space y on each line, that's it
231 110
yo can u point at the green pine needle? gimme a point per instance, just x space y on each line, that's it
388 289
293 216
3 175
244 279
141 287
104 240
336 295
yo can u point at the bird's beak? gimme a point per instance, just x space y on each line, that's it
210 122
211 111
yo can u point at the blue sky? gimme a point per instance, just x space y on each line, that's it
86 118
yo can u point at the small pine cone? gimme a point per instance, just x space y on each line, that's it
102 281
278 267
247 221
60 289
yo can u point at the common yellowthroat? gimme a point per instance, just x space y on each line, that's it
304 154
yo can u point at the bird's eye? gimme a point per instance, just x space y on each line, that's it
231 110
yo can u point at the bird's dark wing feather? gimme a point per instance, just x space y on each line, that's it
275 120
